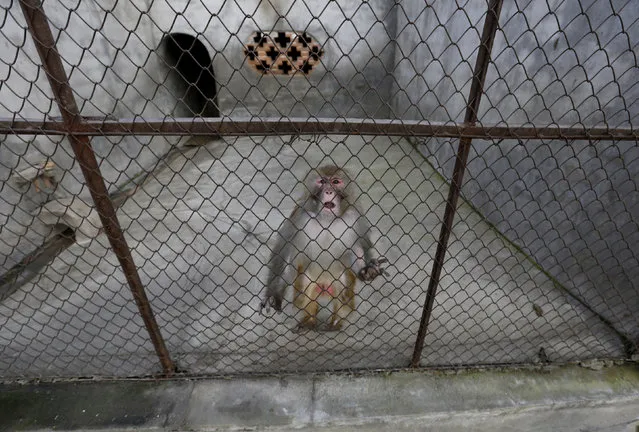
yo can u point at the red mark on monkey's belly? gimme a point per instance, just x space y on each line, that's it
324 290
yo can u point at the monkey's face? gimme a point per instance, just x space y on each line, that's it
329 191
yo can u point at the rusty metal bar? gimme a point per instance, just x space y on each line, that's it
52 64
476 90
284 126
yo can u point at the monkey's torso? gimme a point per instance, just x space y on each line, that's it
322 252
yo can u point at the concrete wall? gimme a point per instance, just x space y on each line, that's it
112 51
113 55
354 79
553 62
574 207
110 73
435 55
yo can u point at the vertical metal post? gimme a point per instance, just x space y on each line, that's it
476 90
52 64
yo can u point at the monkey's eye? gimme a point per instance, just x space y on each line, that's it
321 181
337 181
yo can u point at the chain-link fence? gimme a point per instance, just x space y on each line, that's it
154 154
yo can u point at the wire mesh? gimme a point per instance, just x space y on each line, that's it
203 151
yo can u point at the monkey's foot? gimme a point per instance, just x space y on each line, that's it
307 323
334 325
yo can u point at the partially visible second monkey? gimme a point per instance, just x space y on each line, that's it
323 247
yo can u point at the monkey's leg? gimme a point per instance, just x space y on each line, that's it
306 300
310 315
299 287
344 302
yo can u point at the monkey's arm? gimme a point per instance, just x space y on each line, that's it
280 272
368 263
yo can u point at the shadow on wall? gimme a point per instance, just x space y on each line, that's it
191 77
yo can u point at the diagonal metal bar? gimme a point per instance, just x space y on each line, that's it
476 90
52 64
288 125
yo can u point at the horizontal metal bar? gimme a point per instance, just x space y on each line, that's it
295 126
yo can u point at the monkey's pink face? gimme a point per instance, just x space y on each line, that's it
330 192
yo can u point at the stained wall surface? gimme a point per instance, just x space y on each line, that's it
573 207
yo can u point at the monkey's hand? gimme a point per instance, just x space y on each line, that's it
372 269
271 300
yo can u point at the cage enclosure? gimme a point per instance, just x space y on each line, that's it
152 154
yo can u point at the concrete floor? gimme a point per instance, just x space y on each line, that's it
200 231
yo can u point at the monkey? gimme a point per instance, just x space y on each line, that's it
324 247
